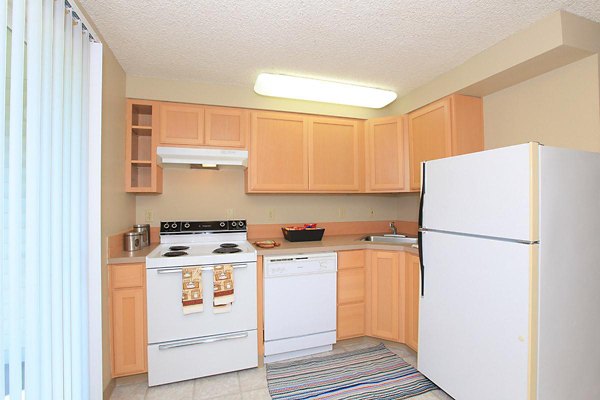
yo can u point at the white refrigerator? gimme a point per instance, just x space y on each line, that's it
510 274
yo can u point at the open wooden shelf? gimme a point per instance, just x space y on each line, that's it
142 173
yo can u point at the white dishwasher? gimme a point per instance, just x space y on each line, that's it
299 304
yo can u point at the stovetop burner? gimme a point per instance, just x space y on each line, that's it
174 254
226 250
178 248
228 245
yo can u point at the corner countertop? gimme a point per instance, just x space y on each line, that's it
132 257
329 243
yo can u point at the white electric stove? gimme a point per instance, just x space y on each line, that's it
188 346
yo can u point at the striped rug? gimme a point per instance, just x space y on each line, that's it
370 373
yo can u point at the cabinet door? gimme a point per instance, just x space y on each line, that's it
278 159
226 127
429 136
412 300
385 294
385 155
181 124
128 331
127 315
334 152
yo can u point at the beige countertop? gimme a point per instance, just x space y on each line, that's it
329 243
127 257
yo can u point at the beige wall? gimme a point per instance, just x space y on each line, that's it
558 108
118 207
208 194
234 96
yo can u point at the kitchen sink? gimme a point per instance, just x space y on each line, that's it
393 239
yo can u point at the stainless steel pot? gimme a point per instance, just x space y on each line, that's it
132 241
144 229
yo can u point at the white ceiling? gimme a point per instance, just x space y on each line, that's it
396 45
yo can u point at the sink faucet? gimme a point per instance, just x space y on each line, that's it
393 228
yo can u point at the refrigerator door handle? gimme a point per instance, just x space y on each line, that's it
420 233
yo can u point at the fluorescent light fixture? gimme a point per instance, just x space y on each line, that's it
294 87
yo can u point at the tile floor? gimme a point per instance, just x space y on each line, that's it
249 384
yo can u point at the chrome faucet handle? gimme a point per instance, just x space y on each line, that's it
393 228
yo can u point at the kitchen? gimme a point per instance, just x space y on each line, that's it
535 83
268 212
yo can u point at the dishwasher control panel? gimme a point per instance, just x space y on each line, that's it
300 264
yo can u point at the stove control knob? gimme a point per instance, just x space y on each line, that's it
241 224
234 224
174 225
166 225
222 224
187 225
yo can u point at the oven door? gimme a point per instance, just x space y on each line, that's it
166 321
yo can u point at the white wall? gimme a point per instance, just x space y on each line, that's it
558 108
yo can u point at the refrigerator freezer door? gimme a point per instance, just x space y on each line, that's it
486 193
474 317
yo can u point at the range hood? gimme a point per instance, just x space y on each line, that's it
190 155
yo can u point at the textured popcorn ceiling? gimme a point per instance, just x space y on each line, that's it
396 45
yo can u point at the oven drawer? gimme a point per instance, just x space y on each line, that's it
204 356
166 321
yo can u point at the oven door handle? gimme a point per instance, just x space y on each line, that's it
178 270
193 342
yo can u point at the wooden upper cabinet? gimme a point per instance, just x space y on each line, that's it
385 155
334 154
413 289
429 133
278 158
226 127
181 124
142 173
386 298
447 127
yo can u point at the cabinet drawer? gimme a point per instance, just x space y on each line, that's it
351 259
350 320
351 285
127 275
188 359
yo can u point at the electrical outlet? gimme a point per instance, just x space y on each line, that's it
271 214
148 216
371 213
230 213
341 212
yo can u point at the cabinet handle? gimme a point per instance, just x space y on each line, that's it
193 342
420 234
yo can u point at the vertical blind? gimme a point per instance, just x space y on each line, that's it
49 107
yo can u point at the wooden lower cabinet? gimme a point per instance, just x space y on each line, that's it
386 273
378 295
351 287
127 319
413 288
